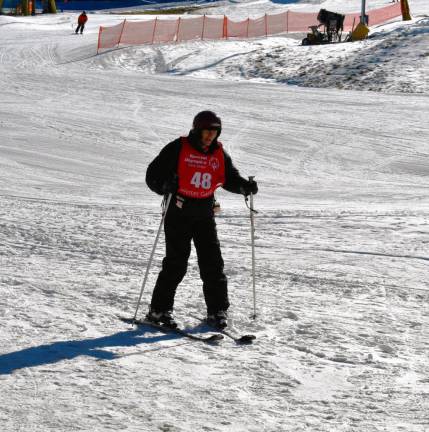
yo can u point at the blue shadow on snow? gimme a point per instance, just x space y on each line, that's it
284 1
67 350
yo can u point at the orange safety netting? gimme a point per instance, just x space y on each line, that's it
108 37
277 23
211 27
379 16
236 29
257 27
165 30
300 21
136 33
190 28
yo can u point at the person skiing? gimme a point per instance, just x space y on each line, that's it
81 21
191 168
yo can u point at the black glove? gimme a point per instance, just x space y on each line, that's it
171 185
250 187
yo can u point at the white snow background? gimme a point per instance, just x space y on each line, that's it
338 139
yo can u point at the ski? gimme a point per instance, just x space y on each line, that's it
141 322
240 339
243 339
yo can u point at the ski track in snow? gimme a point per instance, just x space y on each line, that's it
342 344
342 243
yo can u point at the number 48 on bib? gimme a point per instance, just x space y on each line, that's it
202 180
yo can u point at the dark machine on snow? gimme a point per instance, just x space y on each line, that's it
332 24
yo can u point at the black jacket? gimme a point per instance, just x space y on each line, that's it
164 168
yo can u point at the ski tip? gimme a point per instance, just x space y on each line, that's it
246 339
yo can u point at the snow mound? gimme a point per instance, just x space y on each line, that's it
391 60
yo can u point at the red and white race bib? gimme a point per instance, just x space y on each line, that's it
200 174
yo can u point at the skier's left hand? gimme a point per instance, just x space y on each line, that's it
250 187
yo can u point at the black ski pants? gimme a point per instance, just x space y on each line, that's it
180 229
80 27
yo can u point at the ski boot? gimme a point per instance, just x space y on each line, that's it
218 320
164 318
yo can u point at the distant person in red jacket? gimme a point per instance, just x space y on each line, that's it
81 21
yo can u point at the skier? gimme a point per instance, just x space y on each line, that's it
191 168
81 21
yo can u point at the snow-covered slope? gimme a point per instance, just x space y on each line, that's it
342 240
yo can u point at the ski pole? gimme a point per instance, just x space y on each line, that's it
164 212
252 236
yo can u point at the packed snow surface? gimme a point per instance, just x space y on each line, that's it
342 233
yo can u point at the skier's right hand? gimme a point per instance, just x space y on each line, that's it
171 185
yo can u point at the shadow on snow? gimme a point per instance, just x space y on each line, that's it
67 350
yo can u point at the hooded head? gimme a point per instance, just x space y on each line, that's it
207 120
207 127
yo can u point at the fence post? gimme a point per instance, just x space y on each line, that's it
287 21
247 30
99 38
405 10
178 30
266 26
154 29
122 30
225 27
204 22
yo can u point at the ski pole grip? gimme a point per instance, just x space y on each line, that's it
251 178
